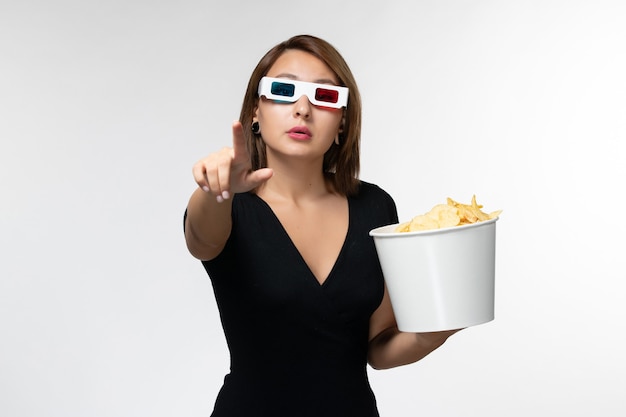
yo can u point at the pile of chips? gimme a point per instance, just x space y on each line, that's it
448 215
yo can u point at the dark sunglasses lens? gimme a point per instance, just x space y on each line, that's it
283 89
326 95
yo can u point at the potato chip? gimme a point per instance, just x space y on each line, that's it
423 222
403 227
448 215
445 215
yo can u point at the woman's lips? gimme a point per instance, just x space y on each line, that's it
299 133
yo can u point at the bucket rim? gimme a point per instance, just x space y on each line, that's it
388 230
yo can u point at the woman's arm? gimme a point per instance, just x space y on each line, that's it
207 225
389 347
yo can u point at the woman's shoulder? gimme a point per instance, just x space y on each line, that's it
369 190
248 208
374 199
374 205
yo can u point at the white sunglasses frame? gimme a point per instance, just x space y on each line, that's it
303 88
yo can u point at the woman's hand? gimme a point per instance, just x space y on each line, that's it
229 171
436 338
389 347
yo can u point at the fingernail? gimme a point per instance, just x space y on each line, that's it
219 199
205 189
225 195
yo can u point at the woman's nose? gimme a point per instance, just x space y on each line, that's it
302 107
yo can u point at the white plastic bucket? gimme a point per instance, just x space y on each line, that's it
439 279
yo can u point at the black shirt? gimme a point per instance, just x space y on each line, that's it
298 347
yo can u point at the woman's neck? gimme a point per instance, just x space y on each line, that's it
295 182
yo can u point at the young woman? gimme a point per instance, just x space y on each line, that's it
280 222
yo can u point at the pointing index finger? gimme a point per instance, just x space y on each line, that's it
239 141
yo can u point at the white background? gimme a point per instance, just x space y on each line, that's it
106 105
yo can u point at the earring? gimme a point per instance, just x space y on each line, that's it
340 131
256 129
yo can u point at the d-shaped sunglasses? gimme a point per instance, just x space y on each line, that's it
290 91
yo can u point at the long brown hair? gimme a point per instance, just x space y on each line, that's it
341 162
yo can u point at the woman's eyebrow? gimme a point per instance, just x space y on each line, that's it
318 81
326 81
287 75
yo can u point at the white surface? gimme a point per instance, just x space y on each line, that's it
440 279
105 106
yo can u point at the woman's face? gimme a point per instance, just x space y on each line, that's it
298 129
